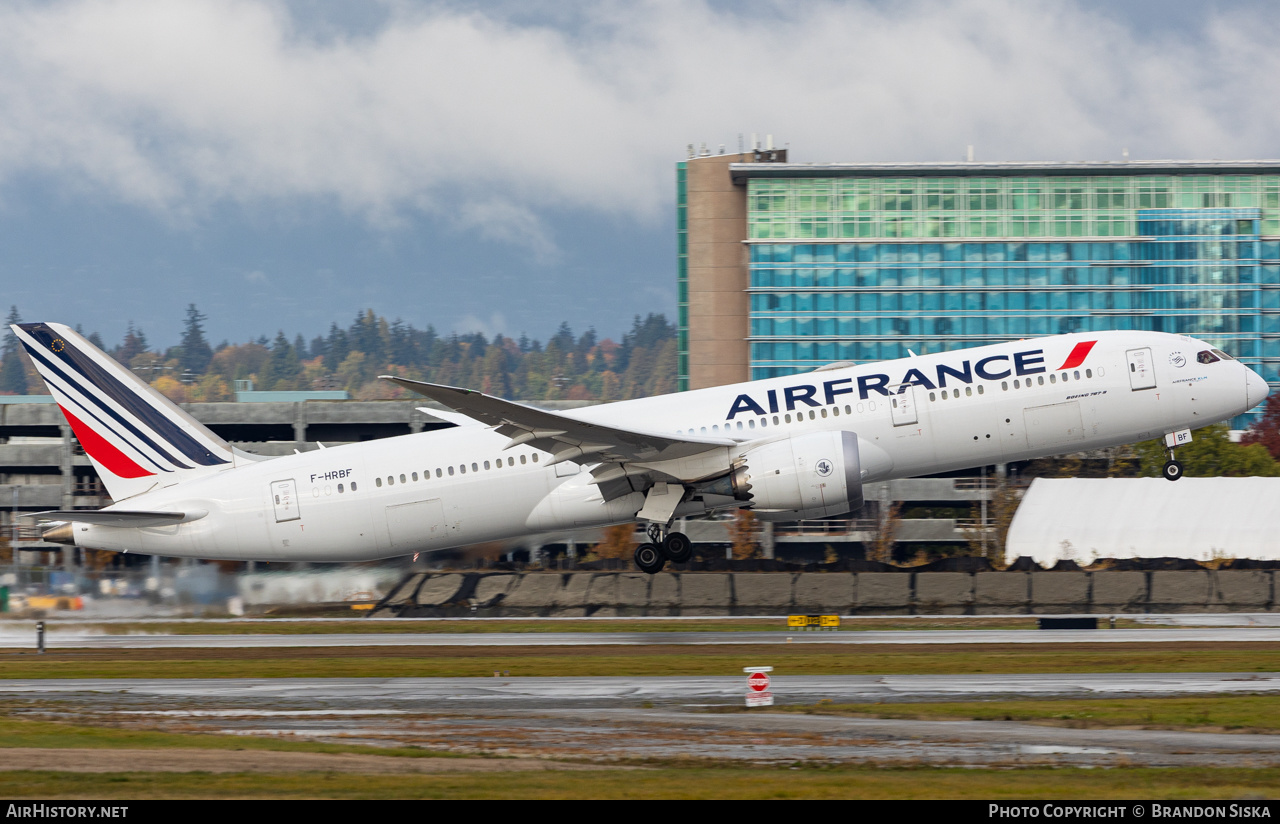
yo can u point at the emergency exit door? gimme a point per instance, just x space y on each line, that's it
284 496
1142 373
903 406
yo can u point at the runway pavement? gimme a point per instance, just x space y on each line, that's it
10 638
605 719
552 692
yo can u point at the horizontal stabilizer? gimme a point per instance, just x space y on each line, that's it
119 517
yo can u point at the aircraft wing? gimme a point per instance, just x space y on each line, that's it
567 439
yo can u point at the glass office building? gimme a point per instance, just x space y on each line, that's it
865 262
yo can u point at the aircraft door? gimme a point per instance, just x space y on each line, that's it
1142 374
903 406
284 495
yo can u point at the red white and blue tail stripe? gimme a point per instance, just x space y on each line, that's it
135 436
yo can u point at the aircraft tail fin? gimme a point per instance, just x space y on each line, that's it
137 438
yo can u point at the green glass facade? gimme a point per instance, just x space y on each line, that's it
864 208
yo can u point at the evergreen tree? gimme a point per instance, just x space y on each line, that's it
196 353
563 338
365 337
338 346
134 344
284 366
13 374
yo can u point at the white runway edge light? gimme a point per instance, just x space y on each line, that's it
758 694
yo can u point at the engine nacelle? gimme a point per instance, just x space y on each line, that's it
817 475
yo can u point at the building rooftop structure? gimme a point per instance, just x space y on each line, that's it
740 172
1081 519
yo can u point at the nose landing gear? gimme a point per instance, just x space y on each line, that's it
665 546
1172 470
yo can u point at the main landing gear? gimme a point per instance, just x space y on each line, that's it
665 546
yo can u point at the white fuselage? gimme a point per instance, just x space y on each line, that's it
446 488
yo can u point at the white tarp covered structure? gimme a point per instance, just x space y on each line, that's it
1197 518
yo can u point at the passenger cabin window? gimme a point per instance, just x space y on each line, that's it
402 478
1207 357
522 459
415 477
353 486
486 464
339 489
377 482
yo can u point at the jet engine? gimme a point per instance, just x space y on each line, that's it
816 475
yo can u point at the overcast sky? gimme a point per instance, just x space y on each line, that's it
502 167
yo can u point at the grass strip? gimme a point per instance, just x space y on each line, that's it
686 782
656 660
1221 712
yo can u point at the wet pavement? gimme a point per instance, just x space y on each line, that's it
610 719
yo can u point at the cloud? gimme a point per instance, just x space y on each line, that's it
495 324
502 220
491 116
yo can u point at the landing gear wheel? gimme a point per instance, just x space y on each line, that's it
1172 471
649 559
678 548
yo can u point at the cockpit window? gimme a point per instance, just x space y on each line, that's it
1221 354
1207 357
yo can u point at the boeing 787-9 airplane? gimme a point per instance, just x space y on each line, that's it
789 448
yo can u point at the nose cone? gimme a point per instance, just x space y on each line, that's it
1256 387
